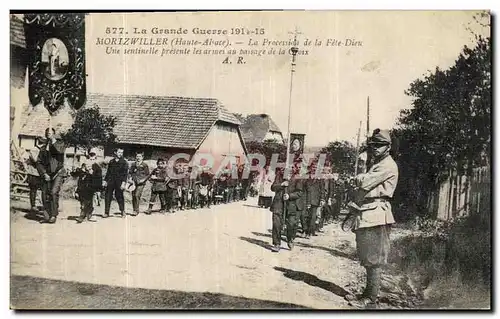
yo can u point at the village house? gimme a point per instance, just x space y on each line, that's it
159 126
18 73
260 128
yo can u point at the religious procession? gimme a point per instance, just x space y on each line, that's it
175 182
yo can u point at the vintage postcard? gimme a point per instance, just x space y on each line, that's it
251 160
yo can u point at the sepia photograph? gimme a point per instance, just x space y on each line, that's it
251 160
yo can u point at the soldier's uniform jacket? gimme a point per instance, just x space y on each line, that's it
295 191
139 172
379 183
314 191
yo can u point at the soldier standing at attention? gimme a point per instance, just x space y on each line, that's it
139 172
376 187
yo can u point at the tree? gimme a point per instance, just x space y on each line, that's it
342 156
90 129
448 127
267 148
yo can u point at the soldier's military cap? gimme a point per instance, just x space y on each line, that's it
380 137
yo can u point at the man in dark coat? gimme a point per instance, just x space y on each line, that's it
35 182
115 182
206 185
314 198
329 190
288 195
245 182
89 182
194 186
183 184
159 188
139 172
50 166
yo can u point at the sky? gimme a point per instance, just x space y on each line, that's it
331 84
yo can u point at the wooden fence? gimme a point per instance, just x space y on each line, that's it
460 195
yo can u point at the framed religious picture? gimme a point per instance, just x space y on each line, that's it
55 60
297 143
55 43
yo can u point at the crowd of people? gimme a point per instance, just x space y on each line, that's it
295 202
46 172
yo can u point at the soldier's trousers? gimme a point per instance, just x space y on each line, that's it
277 226
373 245
292 219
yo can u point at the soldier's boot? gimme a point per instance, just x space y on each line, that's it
275 248
150 209
368 299
375 279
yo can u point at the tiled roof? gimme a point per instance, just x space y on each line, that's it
256 126
17 36
36 119
167 121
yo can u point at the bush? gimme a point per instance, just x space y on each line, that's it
445 253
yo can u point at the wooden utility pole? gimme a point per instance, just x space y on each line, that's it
357 150
293 51
367 118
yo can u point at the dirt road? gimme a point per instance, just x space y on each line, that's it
223 250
